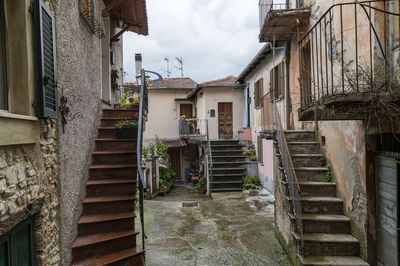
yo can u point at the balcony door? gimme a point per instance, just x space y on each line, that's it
186 110
225 120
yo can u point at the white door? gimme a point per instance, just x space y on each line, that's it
387 198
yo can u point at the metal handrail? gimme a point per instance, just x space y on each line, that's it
290 174
143 107
210 159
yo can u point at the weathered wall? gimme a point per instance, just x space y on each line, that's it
28 173
163 116
213 96
79 76
345 150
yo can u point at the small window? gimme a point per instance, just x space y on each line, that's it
3 65
260 150
17 246
277 83
258 92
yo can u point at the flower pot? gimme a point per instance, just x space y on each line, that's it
127 133
202 190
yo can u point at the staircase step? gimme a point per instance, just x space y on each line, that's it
113 173
110 187
331 260
109 204
226 184
318 189
306 160
325 223
300 135
112 166
226 189
92 246
296 147
112 144
112 121
113 157
228 171
309 173
106 223
218 164
318 244
130 256
325 205
121 112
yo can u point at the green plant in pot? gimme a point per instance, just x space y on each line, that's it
126 129
201 185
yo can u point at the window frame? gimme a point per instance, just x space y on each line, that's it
4 55
277 81
258 92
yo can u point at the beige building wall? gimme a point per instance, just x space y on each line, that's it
164 112
214 95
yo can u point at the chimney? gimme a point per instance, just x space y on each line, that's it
138 63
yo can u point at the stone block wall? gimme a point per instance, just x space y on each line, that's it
30 174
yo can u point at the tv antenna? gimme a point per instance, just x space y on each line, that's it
180 61
166 59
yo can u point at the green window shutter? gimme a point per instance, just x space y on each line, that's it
47 71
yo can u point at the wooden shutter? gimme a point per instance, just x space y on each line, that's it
271 83
256 94
261 91
281 79
260 150
47 72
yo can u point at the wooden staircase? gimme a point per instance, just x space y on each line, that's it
229 165
106 228
326 231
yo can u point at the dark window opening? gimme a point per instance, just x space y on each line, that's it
258 92
3 56
388 142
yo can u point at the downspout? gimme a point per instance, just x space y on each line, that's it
288 102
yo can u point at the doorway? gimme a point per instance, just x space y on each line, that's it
225 121
175 160
187 110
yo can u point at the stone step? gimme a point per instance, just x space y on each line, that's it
228 177
306 160
317 244
96 173
321 205
119 112
224 142
318 189
107 132
308 173
226 164
114 157
106 223
226 153
216 190
110 187
300 135
330 260
110 144
130 256
112 121
230 147
229 170
226 184
88 246
303 147
231 158
325 223
108 204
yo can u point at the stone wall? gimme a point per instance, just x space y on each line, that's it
79 76
29 173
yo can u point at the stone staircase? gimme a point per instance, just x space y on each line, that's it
326 231
106 228
229 165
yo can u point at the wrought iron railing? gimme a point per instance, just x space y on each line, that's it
143 109
209 163
348 50
265 6
289 172
267 121
191 127
88 14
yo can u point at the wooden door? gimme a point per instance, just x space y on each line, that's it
187 110
175 159
225 120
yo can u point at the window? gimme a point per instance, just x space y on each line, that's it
3 65
17 246
277 83
260 150
258 92
187 110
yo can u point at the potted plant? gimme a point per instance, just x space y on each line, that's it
201 185
126 129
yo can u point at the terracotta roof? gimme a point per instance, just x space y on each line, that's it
229 80
176 83
174 143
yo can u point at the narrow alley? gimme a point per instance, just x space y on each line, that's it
233 229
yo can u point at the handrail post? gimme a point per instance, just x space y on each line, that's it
211 162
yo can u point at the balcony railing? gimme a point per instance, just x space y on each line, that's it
192 127
267 122
265 6
348 50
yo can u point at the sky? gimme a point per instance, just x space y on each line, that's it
215 38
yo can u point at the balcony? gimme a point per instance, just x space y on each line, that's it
193 129
279 20
349 67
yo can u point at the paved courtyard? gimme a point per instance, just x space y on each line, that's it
233 229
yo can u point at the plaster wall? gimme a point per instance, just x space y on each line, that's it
163 115
213 96
79 57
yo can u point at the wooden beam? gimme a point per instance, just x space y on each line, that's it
113 4
116 36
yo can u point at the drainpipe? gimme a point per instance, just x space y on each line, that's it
288 102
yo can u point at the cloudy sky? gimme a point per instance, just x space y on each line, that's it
216 38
